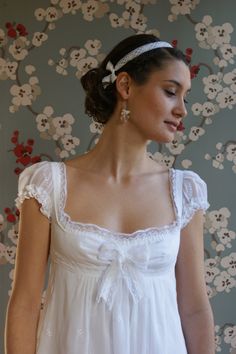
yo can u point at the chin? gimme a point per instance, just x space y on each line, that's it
164 139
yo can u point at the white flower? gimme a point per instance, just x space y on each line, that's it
39 38
212 85
208 109
40 14
222 63
3 38
70 6
183 7
86 64
63 154
217 219
10 252
88 9
132 8
226 98
210 269
224 282
96 127
116 21
42 122
228 51
29 69
13 234
213 79
52 14
217 343
217 161
22 95
17 49
93 46
226 236
201 31
231 152
230 335
197 109
69 143
195 133
163 159
229 262
138 22
222 34
62 66
209 290
7 69
63 125
76 55
175 146
186 163
2 223
230 79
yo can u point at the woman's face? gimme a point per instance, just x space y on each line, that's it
158 106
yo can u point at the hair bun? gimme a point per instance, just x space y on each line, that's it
90 79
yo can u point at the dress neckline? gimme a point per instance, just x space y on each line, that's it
67 222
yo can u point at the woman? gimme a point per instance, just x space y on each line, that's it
124 233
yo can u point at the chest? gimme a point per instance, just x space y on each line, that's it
126 207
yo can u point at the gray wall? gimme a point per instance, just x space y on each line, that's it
49 68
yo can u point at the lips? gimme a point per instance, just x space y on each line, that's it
175 124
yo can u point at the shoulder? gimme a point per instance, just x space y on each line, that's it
193 184
194 194
36 181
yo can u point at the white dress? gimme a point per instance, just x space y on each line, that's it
110 292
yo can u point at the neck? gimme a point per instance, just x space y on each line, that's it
120 153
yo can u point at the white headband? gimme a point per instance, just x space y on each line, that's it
109 79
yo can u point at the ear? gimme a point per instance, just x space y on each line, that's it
123 82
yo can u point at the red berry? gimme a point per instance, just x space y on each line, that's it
189 51
11 218
30 142
16 132
20 27
17 171
12 33
14 140
8 25
7 210
36 159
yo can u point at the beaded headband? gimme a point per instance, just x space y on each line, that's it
109 79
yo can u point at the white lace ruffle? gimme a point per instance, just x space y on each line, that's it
33 191
191 209
150 234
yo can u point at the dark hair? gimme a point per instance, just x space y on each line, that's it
100 102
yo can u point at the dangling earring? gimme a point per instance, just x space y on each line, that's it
125 114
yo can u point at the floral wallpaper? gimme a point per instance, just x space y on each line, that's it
46 46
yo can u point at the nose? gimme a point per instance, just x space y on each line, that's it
180 110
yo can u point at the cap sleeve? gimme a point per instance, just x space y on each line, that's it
194 196
36 182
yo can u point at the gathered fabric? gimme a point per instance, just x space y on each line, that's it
110 292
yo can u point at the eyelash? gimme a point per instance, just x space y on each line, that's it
173 94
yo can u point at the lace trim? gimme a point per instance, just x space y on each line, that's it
33 191
191 209
151 233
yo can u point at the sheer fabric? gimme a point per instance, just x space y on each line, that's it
110 292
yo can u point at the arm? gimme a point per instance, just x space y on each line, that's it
31 262
194 307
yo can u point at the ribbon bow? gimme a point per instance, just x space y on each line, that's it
109 79
124 264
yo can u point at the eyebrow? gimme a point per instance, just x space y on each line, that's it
177 83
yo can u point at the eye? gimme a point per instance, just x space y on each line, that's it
170 93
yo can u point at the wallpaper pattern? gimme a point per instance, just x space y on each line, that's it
46 46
